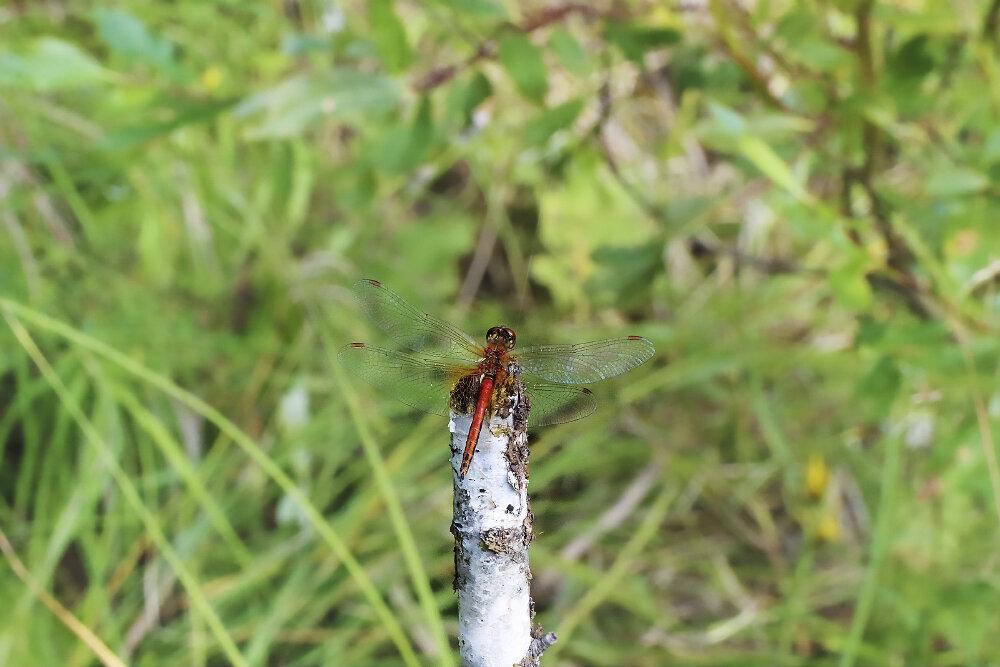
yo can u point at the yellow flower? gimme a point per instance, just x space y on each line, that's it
211 78
828 529
817 475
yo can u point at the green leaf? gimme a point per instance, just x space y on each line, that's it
947 179
880 386
872 105
297 44
296 104
50 64
402 149
849 282
823 56
913 60
551 121
764 158
726 127
847 6
389 35
991 146
799 25
569 52
728 120
472 95
626 272
481 8
870 331
191 113
524 65
128 37
635 40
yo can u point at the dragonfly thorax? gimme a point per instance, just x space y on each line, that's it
501 336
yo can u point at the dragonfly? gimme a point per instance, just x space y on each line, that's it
442 369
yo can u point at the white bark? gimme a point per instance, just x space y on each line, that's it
492 528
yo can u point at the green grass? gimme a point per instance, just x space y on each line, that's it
797 205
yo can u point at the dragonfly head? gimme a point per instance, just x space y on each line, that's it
501 336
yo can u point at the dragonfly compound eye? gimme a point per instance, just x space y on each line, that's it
502 335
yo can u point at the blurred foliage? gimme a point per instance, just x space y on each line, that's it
796 201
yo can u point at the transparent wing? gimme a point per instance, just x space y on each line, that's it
411 327
557 403
585 362
424 384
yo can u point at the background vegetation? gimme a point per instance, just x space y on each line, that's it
796 201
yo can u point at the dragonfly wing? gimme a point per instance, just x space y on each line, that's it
411 327
586 362
424 384
553 403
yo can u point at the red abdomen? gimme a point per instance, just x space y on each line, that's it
491 366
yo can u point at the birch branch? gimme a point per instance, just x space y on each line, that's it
492 529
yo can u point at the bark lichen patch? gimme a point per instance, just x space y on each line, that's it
461 558
455 583
521 411
465 497
517 458
510 541
507 388
517 451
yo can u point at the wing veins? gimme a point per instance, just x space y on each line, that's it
420 383
409 326
555 403
584 363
